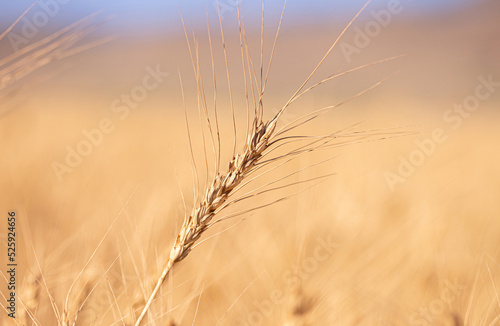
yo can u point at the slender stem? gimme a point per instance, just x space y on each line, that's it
166 270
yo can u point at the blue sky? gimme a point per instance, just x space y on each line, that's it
150 14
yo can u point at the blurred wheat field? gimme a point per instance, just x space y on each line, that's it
354 249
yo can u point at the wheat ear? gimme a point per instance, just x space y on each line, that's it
262 138
215 197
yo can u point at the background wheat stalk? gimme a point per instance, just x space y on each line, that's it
60 44
56 46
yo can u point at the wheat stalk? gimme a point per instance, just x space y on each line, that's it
215 197
262 138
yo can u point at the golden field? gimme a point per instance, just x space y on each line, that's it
402 230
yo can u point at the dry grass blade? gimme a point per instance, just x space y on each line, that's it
7 31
